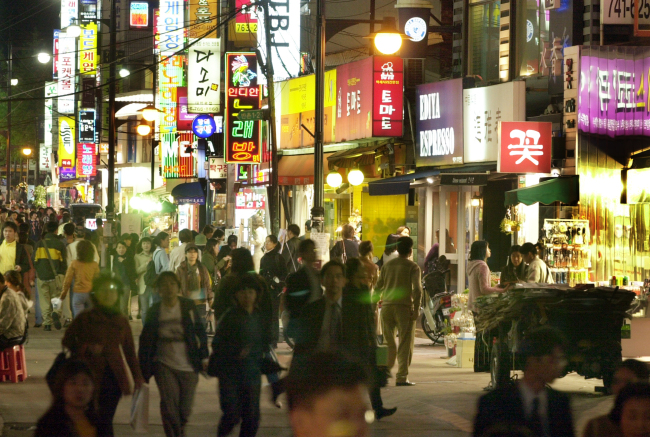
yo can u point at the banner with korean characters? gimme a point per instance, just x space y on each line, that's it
525 147
218 169
204 76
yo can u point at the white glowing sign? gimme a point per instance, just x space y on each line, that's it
284 23
67 62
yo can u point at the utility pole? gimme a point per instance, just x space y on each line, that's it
110 207
10 72
275 190
318 211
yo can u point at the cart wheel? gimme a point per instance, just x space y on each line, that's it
499 369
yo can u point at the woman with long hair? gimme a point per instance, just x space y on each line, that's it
209 260
73 412
144 254
478 273
195 280
390 250
124 268
515 269
83 271
347 247
102 338
431 259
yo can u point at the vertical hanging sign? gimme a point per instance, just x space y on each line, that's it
46 146
69 12
284 24
202 18
178 156
55 54
67 62
88 49
86 160
170 77
203 78
242 93
172 35
87 126
66 149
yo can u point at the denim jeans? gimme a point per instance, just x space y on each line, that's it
37 307
145 304
81 302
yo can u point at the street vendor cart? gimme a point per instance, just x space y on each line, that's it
590 319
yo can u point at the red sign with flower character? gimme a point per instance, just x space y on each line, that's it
388 96
525 147
86 160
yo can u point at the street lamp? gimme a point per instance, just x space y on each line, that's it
43 57
73 30
388 40
149 113
27 151
355 177
124 72
143 129
14 82
334 179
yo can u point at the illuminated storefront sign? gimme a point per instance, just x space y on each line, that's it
203 76
88 11
483 109
525 147
55 54
218 169
67 61
439 123
201 18
246 20
388 96
614 91
172 32
138 14
66 148
69 12
204 126
170 77
87 126
243 144
46 146
284 26
86 160
246 198
178 156
88 49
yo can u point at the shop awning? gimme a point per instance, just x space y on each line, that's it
189 193
156 192
298 169
357 156
563 189
398 184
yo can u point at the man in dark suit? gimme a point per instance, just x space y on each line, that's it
290 251
530 404
303 286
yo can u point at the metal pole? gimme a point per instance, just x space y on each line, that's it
9 124
110 207
153 130
275 197
319 190
37 152
372 26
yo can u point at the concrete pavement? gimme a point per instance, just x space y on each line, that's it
441 404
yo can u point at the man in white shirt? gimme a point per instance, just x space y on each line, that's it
177 256
538 271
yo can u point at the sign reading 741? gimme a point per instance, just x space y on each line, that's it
622 11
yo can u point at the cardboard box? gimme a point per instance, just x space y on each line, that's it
465 353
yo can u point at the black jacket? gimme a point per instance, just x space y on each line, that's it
125 270
351 250
272 266
22 257
510 273
56 423
290 254
505 406
358 339
298 291
193 329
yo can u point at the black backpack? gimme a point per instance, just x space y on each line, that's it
150 275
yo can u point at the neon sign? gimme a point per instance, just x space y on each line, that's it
243 143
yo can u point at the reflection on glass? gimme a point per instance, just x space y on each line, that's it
452 222
484 40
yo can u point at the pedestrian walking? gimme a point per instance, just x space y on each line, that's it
347 247
29 275
35 227
239 343
400 291
124 269
223 257
173 349
328 393
530 403
195 283
82 271
538 271
290 248
631 413
274 271
102 338
628 372
366 249
177 255
478 273
210 261
160 256
515 269
390 250
143 256
49 262
73 412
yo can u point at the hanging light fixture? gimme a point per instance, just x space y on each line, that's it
124 72
43 57
143 129
334 179
355 177
388 40
73 30
149 113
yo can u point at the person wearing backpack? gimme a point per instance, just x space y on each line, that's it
50 265
274 271
143 257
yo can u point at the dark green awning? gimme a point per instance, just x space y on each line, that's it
563 189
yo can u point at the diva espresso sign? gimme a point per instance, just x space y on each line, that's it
439 123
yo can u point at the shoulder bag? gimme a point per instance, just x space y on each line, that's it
57 277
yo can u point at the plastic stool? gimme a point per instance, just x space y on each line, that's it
12 364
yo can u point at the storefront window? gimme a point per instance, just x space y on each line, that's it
484 19
532 32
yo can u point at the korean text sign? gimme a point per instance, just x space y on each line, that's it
86 160
201 18
242 138
87 126
172 37
218 168
170 77
284 26
46 146
66 148
69 12
525 147
439 123
88 49
246 198
614 91
203 76
388 96
67 61
178 155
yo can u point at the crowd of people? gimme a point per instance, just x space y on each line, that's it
208 287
